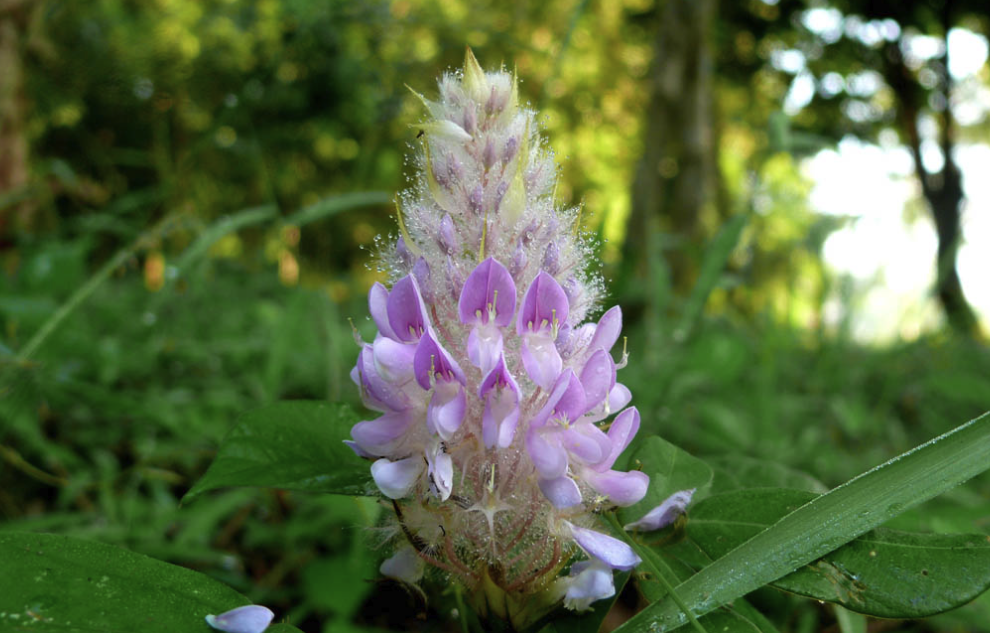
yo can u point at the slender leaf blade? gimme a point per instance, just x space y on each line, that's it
294 445
828 522
884 573
58 584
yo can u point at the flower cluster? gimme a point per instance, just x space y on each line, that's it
494 441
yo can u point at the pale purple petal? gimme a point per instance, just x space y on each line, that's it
563 384
445 412
393 360
562 492
406 311
541 358
546 453
610 551
587 582
404 565
544 306
397 479
622 489
501 416
608 330
431 356
489 294
378 305
377 393
380 435
586 442
665 513
250 619
440 470
360 452
484 346
621 433
598 378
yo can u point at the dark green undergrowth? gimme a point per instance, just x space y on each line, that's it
120 410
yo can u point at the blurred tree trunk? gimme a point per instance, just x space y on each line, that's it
943 189
14 174
675 176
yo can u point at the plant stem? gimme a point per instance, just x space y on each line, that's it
663 575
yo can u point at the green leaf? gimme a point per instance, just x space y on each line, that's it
712 266
884 573
828 522
733 472
295 445
670 469
59 584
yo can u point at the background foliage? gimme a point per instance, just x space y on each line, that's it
177 190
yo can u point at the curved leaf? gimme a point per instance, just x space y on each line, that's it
884 573
670 469
295 445
827 522
58 584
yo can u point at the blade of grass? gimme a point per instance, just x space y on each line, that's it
79 296
716 256
826 523
336 204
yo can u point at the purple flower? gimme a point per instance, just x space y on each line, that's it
250 619
492 387
665 513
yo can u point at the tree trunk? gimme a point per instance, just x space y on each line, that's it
674 181
14 174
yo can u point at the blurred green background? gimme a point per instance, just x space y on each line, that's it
788 198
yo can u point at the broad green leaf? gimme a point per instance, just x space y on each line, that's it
670 469
58 584
295 445
884 573
739 471
828 522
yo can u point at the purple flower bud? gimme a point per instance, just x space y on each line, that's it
421 272
403 255
488 154
470 118
530 231
499 194
455 169
511 147
454 279
551 259
250 619
447 236
476 200
519 261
